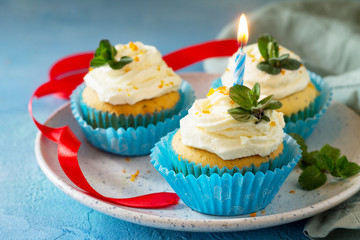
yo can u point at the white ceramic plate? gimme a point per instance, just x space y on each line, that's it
105 172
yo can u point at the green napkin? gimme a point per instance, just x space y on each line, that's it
326 35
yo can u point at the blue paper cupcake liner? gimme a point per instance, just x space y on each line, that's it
226 194
131 141
186 167
304 122
100 119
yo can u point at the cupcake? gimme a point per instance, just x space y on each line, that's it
230 155
304 95
129 98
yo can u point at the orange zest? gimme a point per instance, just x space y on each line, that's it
133 46
133 176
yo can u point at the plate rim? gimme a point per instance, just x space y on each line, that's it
227 224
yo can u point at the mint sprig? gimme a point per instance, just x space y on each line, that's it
269 50
105 54
317 164
249 106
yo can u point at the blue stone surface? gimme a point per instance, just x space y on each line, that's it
34 34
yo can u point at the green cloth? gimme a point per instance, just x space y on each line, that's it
326 35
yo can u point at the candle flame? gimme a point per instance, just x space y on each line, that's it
243 33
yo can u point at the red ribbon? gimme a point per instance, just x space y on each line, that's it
68 73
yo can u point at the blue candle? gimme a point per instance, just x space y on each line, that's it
240 57
239 68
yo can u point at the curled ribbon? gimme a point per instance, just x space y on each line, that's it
68 73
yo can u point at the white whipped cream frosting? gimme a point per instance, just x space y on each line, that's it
208 126
146 77
280 85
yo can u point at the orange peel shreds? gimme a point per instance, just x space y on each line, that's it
158 67
127 69
179 158
161 84
90 69
133 176
310 85
211 91
292 191
133 46
119 89
123 171
136 58
228 70
127 159
272 123
253 214
282 72
232 102
253 60
135 87
223 90
205 112
171 83
300 71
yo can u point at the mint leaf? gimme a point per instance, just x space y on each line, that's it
105 54
121 63
269 50
256 92
324 162
300 140
240 114
330 151
290 64
265 118
241 95
268 68
263 45
311 178
273 104
249 105
350 169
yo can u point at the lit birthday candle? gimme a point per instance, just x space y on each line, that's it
242 38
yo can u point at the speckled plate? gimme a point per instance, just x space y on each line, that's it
110 175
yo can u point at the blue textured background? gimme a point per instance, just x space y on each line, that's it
34 34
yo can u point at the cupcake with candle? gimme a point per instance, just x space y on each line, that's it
304 95
230 155
130 98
